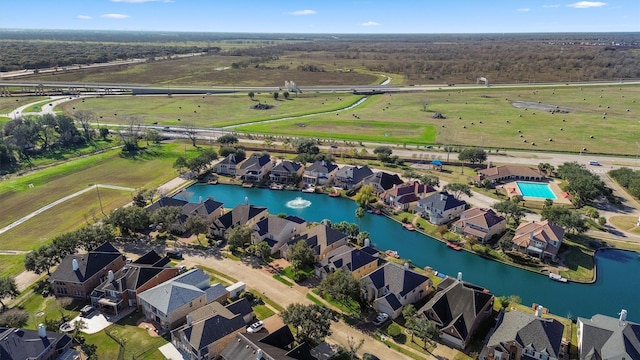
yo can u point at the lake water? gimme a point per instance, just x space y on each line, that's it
617 286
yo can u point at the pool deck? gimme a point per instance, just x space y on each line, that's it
561 197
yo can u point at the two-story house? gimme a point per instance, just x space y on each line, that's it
348 177
277 231
120 290
606 337
78 274
382 181
168 303
541 239
19 344
287 172
319 173
400 197
276 345
244 214
320 238
391 286
255 168
479 223
356 261
440 208
458 309
228 165
208 210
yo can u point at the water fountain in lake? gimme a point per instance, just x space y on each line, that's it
298 203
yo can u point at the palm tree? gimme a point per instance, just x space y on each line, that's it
359 214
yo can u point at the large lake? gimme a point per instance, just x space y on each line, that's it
618 279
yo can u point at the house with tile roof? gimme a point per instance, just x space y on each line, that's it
320 238
348 177
480 223
382 181
169 303
458 309
239 215
119 292
522 336
255 168
21 344
506 173
346 257
320 172
277 345
391 286
400 197
277 231
228 165
605 337
209 330
78 274
541 239
440 208
286 172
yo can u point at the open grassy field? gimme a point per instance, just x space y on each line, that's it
11 265
206 111
18 199
8 104
596 118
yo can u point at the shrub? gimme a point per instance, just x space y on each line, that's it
14 318
299 276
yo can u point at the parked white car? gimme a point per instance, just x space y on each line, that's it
255 327
382 317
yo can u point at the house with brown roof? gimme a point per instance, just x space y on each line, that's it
320 238
78 274
541 239
506 173
458 309
391 286
479 223
119 292
401 196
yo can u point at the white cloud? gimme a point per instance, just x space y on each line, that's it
83 17
114 16
302 12
523 10
550 6
587 4
370 23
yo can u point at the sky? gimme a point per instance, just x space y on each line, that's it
325 16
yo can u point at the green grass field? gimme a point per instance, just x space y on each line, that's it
8 104
206 111
11 265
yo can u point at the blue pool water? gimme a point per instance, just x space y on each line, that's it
617 287
536 190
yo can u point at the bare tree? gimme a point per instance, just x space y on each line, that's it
131 134
191 133
85 118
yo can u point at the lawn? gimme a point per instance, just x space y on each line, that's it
206 111
11 265
40 308
579 259
8 104
626 223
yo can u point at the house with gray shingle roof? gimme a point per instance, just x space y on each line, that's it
320 238
286 172
391 286
78 274
521 336
21 344
168 303
348 176
605 337
382 181
348 258
277 345
440 208
228 165
255 168
244 214
479 223
208 210
458 310
209 330
277 231
320 172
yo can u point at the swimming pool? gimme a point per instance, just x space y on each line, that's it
536 190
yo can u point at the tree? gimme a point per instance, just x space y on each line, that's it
239 236
196 225
192 134
152 135
310 321
449 149
473 155
365 196
430 180
180 163
359 213
130 134
8 289
286 95
251 95
425 329
228 139
129 219
342 286
262 250
383 153
143 196
504 301
104 132
300 256
166 217
306 146
409 314
84 118
276 95
457 189
353 346
40 260
569 219
510 210
14 318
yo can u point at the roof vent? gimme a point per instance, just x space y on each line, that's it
74 265
42 331
110 275
459 275
623 315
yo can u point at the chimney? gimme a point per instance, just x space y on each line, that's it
531 235
110 275
74 265
406 266
367 242
459 275
539 310
189 320
200 199
42 331
623 315
443 197
259 354
246 200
